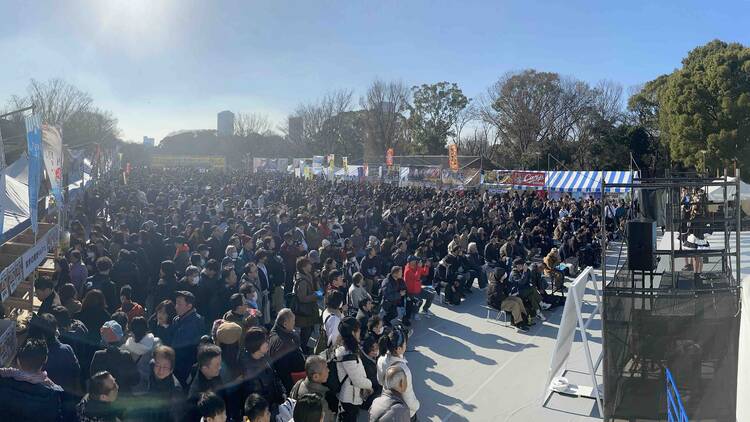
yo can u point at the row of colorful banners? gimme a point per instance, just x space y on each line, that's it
531 179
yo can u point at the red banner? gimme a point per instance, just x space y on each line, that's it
453 156
389 157
528 178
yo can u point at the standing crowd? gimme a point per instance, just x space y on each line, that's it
189 295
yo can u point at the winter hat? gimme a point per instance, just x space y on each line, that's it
228 333
326 243
412 258
314 257
111 332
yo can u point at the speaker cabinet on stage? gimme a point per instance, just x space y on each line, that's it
641 245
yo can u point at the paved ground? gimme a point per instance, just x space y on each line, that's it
469 369
474 369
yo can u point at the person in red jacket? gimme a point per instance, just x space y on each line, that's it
413 274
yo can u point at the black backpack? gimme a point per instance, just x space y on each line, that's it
333 383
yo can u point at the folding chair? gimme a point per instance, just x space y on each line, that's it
500 316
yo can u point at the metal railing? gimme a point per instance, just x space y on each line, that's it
675 409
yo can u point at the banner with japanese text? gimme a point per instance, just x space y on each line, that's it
53 159
34 145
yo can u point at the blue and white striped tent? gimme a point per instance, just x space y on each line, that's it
587 181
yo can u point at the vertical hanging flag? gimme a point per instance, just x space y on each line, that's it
2 181
53 160
34 145
453 156
345 164
366 170
331 161
389 157
2 156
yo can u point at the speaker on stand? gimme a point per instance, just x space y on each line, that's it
642 248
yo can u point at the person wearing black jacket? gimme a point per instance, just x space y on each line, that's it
284 348
501 296
220 299
392 292
117 362
258 374
101 281
370 267
163 397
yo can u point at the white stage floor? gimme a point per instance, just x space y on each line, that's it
466 368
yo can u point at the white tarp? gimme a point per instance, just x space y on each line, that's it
716 193
15 202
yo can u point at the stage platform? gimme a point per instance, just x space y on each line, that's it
466 368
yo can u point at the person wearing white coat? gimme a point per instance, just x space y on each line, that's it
393 345
355 386
141 347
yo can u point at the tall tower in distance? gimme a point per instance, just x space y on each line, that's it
225 123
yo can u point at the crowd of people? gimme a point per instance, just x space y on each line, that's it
192 295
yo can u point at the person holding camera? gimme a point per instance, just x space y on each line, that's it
413 273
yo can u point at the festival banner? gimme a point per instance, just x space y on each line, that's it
498 177
389 157
34 145
391 174
453 156
2 153
282 165
53 160
428 174
528 178
317 164
345 164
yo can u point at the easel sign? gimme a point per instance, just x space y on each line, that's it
572 320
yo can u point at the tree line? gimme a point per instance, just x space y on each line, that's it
697 117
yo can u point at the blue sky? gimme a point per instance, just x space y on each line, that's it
161 66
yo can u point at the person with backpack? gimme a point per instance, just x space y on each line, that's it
306 294
141 345
392 348
355 387
332 316
316 371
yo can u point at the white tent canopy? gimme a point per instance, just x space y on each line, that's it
716 193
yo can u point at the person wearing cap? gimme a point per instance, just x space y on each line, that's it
413 274
237 309
115 360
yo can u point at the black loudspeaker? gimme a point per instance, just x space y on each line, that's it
641 245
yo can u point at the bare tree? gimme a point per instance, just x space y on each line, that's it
464 117
56 100
385 103
90 126
532 111
246 124
322 120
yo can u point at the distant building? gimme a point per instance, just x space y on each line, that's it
295 129
225 123
149 142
